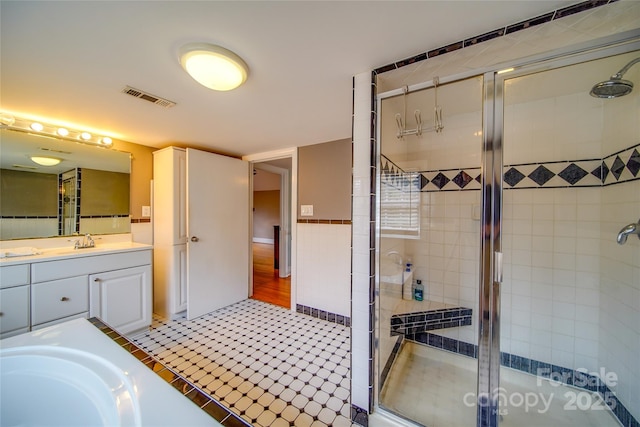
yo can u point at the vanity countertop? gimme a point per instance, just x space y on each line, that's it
161 404
66 252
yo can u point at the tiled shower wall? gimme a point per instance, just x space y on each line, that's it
581 27
619 311
447 254
571 294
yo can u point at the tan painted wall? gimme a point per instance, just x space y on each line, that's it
28 193
141 175
266 213
102 193
324 180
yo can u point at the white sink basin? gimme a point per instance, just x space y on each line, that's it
54 386
69 251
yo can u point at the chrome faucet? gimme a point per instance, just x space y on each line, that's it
87 242
626 231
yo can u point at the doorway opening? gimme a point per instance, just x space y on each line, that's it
273 192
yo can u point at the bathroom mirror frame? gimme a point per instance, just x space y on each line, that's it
18 146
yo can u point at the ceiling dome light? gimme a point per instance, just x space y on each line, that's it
45 161
213 66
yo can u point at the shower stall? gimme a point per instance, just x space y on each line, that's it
513 196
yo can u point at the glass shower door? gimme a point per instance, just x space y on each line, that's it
430 196
570 315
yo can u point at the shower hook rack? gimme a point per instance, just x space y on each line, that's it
419 129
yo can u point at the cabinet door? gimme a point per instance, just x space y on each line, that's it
122 298
169 196
180 259
218 226
14 308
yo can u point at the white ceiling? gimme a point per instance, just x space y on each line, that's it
69 60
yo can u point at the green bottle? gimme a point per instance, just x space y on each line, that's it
418 293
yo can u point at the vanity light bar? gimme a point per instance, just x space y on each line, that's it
9 121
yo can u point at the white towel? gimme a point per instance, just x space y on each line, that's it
23 251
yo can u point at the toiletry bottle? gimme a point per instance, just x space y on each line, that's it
418 293
407 290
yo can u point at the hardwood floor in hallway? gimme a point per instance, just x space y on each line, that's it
268 286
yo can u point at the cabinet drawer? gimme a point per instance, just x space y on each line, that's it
14 275
60 269
59 298
14 308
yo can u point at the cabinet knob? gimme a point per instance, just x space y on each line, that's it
1 314
194 239
63 299
97 279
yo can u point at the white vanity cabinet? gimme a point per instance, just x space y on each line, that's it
122 298
14 300
114 286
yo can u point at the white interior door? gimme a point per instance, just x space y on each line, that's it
218 229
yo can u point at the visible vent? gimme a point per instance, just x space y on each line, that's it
24 167
148 97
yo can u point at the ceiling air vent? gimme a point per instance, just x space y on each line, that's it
148 97
24 167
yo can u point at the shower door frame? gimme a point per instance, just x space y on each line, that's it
490 266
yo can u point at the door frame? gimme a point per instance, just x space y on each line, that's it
287 216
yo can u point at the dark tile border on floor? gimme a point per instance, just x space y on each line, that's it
206 403
359 416
324 315
579 379
392 358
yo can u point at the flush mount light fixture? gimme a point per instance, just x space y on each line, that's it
45 161
213 66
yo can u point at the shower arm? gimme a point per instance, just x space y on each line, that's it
619 74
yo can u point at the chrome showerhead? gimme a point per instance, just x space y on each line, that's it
612 88
615 86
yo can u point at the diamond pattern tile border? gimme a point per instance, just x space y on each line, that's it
616 168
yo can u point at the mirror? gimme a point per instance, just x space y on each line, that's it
86 192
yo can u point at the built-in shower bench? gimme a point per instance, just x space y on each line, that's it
413 317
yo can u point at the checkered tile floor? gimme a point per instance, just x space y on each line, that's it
267 364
